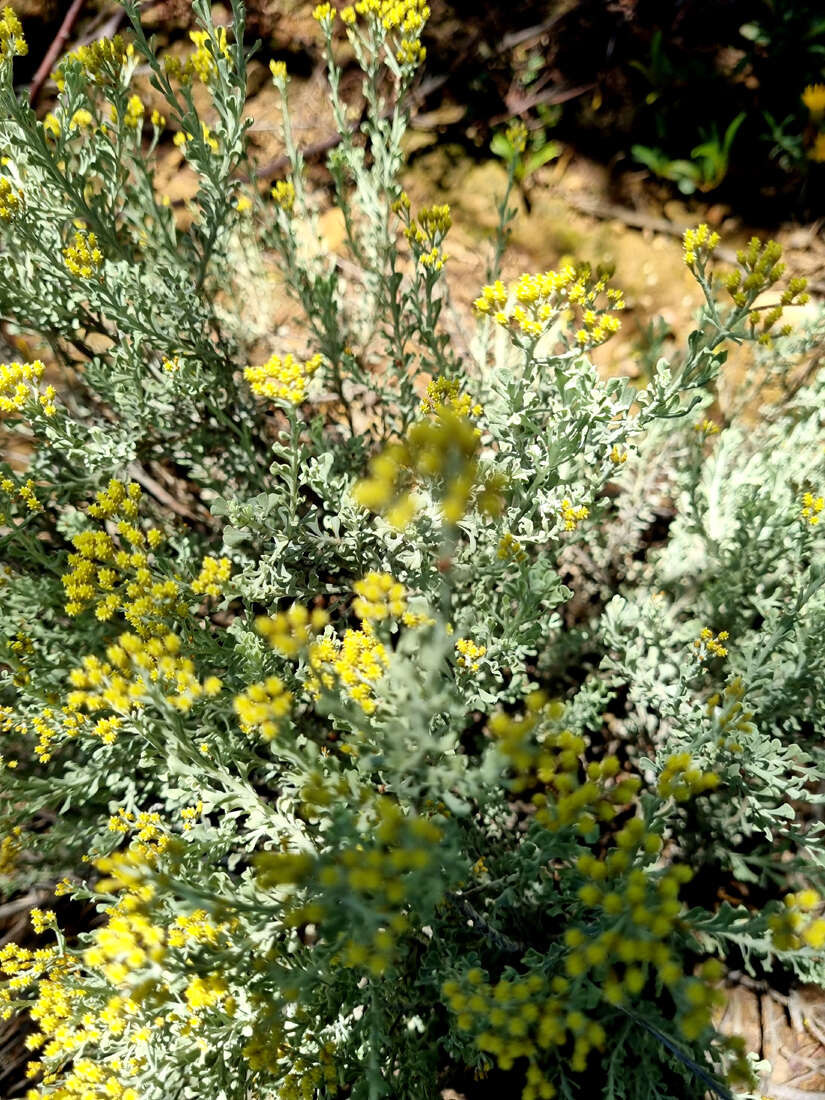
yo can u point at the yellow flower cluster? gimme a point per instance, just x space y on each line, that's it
182 137
283 194
196 928
525 1015
553 761
64 1029
643 914
11 199
26 492
408 16
10 850
205 992
706 644
521 1017
469 654
811 506
532 304
729 715
203 61
445 447
307 1079
571 515
42 920
516 135
19 388
278 70
114 574
51 125
794 928
48 726
814 99
83 258
263 706
12 42
759 268
445 393
82 120
87 1079
128 941
22 966
403 19
21 646
121 951
213 576
53 1010
699 244
707 427
376 876
510 549
101 61
291 631
283 380
356 662
190 814
378 597
680 779
151 838
133 116
426 234
136 668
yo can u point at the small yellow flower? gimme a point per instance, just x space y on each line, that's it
42 919
811 509
284 195
12 42
51 125
571 515
285 380
378 597
213 576
262 707
469 654
81 119
706 644
814 99
83 258
699 244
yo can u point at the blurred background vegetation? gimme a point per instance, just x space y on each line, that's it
707 96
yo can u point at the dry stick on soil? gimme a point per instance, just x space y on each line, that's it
54 50
607 211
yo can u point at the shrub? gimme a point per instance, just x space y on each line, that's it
405 712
